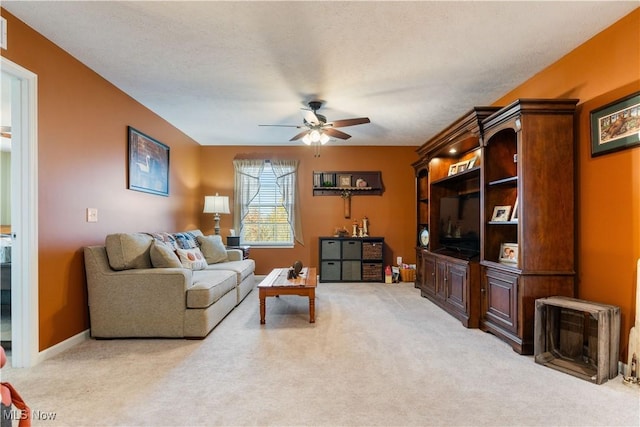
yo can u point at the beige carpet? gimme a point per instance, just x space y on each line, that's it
377 355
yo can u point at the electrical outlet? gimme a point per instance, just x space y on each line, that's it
92 215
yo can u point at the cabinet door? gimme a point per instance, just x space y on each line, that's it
428 274
456 284
500 301
441 274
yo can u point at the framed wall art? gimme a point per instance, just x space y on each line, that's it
148 164
616 126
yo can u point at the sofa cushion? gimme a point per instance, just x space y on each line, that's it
128 250
213 249
192 258
243 268
187 239
163 256
209 286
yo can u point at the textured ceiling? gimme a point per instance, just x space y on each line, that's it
216 70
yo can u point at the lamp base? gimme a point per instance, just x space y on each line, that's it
216 227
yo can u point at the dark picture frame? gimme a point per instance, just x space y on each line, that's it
616 126
148 164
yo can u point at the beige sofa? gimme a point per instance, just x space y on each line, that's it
136 288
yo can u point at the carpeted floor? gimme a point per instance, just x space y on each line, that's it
377 355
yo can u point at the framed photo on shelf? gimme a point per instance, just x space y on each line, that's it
462 166
514 213
501 213
453 169
616 126
148 164
509 253
472 162
344 181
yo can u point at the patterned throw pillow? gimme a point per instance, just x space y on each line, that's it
192 258
163 256
166 238
186 240
213 249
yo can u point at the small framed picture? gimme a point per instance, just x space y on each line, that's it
453 169
344 180
616 126
501 213
471 163
462 166
509 253
514 214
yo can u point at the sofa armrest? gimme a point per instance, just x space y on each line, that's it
139 302
235 254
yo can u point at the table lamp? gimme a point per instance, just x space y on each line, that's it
216 205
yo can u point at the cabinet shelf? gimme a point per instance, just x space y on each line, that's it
503 223
459 177
512 180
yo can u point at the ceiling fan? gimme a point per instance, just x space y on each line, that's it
316 128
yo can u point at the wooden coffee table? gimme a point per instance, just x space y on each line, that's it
276 283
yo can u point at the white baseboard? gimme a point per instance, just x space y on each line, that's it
63 346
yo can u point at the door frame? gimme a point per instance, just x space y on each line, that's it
24 215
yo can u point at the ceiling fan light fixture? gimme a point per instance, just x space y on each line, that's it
306 139
324 138
315 135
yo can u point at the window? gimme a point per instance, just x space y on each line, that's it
266 202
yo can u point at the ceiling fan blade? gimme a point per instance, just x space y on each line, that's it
285 126
336 133
349 122
310 117
300 135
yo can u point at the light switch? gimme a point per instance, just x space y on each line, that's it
92 215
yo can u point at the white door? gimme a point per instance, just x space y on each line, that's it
24 209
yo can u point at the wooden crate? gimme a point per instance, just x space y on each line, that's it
577 337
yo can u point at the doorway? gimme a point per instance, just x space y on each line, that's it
21 88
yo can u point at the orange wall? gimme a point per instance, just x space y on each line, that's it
82 162
391 215
601 70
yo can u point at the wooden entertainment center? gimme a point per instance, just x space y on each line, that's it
495 196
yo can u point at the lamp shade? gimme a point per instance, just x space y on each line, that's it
216 204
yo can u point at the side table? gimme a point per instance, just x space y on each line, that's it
244 249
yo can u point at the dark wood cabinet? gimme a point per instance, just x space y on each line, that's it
518 158
528 166
452 284
351 259
448 206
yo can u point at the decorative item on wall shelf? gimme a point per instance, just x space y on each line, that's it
344 180
361 183
616 126
453 169
472 162
514 214
509 253
501 213
148 164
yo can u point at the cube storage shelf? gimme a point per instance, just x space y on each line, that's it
351 259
